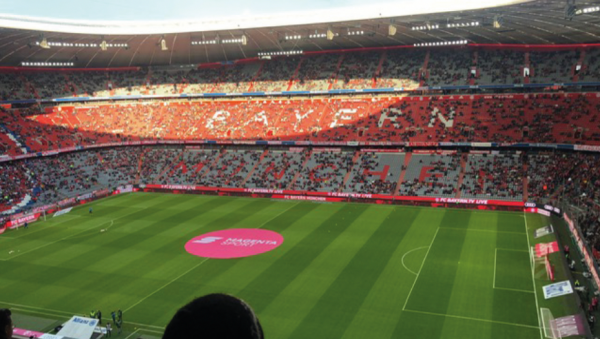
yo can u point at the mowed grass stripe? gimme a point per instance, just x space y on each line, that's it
282 272
435 282
184 289
32 264
334 311
472 290
381 312
232 275
298 299
73 273
513 306
225 273
54 229
142 262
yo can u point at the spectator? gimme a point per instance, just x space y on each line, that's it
6 324
215 316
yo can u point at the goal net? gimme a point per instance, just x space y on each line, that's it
550 329
541 266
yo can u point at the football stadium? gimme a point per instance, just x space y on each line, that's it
310 170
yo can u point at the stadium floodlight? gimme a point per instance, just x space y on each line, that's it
232 41
263 55
63 44
463 24
427 27
356 32
205 42
587 10
441 43
47 64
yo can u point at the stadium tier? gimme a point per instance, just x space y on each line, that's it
510 175
407 69
565 118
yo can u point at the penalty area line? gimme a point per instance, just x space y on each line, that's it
513 289
474 319
165 285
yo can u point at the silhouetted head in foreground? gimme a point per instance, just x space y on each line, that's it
6 325
215 316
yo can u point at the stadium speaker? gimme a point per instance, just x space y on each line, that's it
392 30
570 10
330 34
244 40
163 45
44 43
103 45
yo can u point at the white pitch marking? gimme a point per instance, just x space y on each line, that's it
405 254
134 332
422 264
54 242
513 289
165 285
475 319
495 256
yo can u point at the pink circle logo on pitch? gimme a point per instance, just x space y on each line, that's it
234 243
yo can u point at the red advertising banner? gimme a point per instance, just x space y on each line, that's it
20 221
542 250
446 201
301 197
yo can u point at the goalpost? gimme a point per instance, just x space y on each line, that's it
550 329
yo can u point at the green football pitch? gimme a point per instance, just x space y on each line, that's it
343 271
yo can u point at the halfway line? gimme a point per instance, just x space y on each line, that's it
420 269
165 285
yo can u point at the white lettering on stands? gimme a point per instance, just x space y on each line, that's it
343 114
448 123
219 116
461 201
395 113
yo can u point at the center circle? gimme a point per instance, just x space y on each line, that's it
234 243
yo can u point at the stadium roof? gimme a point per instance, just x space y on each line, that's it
500 22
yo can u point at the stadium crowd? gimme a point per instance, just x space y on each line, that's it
401 68
549 118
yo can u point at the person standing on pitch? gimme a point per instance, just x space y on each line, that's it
99 316
90 210
108 329
119 322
